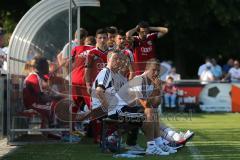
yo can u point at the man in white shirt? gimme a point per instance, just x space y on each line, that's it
104 90
234 72
174 75
203 66
207 75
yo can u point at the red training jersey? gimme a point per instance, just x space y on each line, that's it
78 73
96 60
31 89
143 50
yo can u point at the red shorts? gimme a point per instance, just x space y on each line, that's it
80 95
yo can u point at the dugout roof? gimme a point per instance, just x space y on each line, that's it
43 29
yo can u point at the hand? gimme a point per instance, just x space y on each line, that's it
89 90
157 83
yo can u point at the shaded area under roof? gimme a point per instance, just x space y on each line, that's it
43 29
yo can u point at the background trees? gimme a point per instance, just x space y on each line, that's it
197 28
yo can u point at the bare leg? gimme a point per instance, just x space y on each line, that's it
148 124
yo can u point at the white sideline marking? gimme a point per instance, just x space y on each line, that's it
195 153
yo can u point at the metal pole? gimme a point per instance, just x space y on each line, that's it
9 133
78 24
70 68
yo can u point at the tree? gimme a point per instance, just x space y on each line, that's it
197 28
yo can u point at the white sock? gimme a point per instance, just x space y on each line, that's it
168 134
176 136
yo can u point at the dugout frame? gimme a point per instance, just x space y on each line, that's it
44 29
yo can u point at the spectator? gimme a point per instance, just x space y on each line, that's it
174 75
206 74
216 69
5 49
1 38
234 72
203 66
165 69
2 58
170 93
227 66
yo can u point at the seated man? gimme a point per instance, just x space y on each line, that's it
170 93
145 90
105 87
35 94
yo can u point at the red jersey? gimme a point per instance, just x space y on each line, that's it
143 50
96 60
79 53
31 90
170 89
129 54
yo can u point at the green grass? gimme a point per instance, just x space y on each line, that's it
217 137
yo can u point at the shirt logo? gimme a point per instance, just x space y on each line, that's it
100 66
149 43
146 50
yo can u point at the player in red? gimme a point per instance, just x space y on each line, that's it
35 95
96 58
95 61
143 46
79 91
120 41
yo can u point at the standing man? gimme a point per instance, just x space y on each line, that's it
79 92
96 58
234 73
120 41
143 46
95 61
63 56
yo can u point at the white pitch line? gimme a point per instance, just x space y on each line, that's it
196 154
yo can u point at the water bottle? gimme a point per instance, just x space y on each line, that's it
35 123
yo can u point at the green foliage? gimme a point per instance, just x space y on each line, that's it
197 27
8 23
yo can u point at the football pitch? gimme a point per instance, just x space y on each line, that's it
217 136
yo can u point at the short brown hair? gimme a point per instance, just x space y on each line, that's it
151 62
